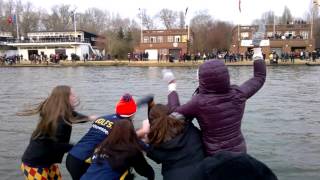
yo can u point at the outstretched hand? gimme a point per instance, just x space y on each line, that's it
168 76
146 100
92 117
257 53
142 133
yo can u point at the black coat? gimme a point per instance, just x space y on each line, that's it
45 151
180 155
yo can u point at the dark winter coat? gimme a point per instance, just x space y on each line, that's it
219 106
227 165
180 155
45 151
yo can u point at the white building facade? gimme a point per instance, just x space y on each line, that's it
66 43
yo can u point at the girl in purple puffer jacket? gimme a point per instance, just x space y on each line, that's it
217 105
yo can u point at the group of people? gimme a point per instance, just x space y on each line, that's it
112 147
10 60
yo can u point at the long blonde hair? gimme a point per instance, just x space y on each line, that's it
54 107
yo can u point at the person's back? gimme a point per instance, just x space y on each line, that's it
79 155
219 107
176 144
226 165
117 154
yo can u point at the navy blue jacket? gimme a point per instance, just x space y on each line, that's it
99 130
101 169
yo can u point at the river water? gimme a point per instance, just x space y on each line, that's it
281 123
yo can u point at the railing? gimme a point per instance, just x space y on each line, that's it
49 40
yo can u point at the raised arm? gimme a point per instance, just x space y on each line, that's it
251 86
190 109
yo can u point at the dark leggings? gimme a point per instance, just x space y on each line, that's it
76 167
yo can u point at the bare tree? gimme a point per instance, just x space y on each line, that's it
182 20
199 26
9 10
93 20
29 19
147 21
286 17
168 18
60 19
268 17
210 34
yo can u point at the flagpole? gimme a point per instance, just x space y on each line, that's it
75 25
311 27
17 24
141 34
239 27
274 24
188 30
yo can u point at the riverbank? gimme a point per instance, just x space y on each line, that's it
152 63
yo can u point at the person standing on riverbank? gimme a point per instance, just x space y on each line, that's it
50 140
217 105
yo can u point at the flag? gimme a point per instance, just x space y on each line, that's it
239 5
14 19
72 16
186 11
9 19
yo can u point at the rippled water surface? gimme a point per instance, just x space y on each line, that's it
281 123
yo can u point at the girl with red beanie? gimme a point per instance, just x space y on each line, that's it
77 159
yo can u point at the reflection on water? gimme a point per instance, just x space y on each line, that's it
281 122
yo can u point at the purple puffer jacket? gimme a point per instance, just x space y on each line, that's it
219 106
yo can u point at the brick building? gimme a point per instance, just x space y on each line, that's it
279 38
161 43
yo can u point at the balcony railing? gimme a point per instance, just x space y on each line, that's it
50 40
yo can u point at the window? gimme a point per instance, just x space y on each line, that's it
153 39
269 34
244 35
245 27
177 38
163 51
159 39
304 34
170 38
145 39
184 38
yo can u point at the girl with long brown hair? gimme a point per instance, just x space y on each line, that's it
174 142
50 140
117 153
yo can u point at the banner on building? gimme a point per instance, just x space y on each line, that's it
248 43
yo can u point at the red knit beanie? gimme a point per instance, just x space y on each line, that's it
126 106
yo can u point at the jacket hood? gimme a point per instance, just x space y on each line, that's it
213 77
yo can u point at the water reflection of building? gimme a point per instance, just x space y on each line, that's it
279 38
56 42
161 43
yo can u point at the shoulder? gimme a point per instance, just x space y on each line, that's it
110 117
236 90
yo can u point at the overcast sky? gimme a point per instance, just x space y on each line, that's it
219 9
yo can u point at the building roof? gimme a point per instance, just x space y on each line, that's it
64 31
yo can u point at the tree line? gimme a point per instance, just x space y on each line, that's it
122 34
